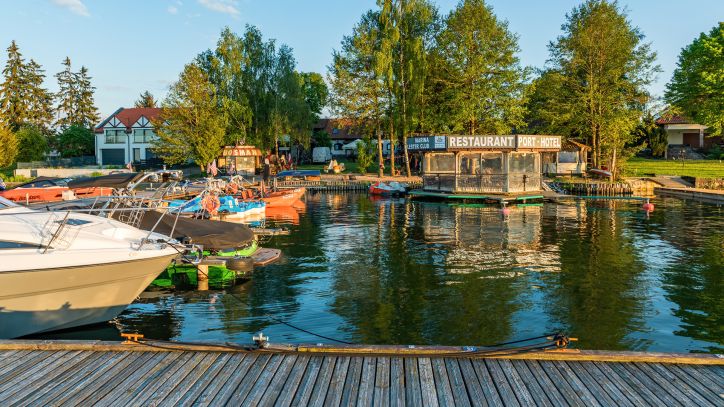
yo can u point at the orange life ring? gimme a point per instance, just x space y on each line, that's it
232 189
211 204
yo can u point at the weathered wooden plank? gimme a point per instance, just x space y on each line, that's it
264 364
139 367
351 382
52 361
537 376
620 394
663 383
98 379
705 380
272 392
457 383
638 396
224 390
427 382
229 377
209 376
413 393
397 382
684 386
382 382
71 381
304 391
8 356
124 388
574 391
29 362
493 394
366 394
172 366
641 381
442 383
533 386
472 383
286 394
594 386
521 391
261 383
175 386
47 379
334 393
714 373
706 389
319 391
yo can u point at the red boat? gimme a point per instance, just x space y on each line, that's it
43 189
283 198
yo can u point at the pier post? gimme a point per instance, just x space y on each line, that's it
202 277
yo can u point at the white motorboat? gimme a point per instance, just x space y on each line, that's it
61 269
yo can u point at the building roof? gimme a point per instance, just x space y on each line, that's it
573 145
673 119
339 129
129 116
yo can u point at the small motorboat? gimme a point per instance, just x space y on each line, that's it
600 172
225 207
63 270
393 188
283 198
46 189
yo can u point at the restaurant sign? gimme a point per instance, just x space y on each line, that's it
504 142
426 143
539 142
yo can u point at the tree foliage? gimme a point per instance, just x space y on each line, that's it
190 125
8 145
697 86
599 71
75 141
145 99
76 105
32 144
315 92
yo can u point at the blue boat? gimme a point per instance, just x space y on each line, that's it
229 207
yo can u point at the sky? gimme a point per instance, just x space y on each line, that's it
130 46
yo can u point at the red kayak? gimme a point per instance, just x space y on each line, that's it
283 198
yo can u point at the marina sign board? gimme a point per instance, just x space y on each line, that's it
504 142
539 142
427 143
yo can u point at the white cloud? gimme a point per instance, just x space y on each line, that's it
222 6
75 6
172 9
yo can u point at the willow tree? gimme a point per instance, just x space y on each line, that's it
604 67
190 125
358 92
480 70
697 87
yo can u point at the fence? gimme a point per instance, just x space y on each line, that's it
60 162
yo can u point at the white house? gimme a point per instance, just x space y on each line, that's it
126 136
683 133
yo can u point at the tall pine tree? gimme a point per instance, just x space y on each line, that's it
14 90
40 100
145 99
67 96
87 114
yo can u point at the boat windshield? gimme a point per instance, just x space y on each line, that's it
4 203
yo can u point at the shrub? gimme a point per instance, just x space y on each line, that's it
365 155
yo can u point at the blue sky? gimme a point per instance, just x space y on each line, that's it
134 45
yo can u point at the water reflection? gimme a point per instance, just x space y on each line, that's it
397 271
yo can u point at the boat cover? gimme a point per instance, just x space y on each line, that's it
120 180
211 234
299 173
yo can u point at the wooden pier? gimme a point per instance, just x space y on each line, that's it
162 373
706 195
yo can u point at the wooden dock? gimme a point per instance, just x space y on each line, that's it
162 373
706 195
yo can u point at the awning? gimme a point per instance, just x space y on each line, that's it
241 151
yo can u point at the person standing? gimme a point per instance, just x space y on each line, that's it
266 170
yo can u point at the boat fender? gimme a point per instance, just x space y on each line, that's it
648 207
243 264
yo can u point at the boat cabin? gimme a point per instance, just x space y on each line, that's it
241 160
482 164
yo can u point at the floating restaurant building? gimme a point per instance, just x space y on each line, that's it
482 164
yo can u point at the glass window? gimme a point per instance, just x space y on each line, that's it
115 136
17 245
470 163
143 135
440 162
491 163
523 163
568 157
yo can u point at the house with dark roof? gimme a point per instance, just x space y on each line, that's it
340 131
683 134
126 136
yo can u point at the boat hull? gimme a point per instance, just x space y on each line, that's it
51 194
43 300
284 198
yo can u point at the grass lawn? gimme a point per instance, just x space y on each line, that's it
638 167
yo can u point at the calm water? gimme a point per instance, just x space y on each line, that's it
402 272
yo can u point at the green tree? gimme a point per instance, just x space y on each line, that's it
14 89
315 92
68 96
365 154
604 67
32 144
648 133
87 114
191 124
145 99
75 141
479 71
358 92
39 99
697 87
8 145
321 139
